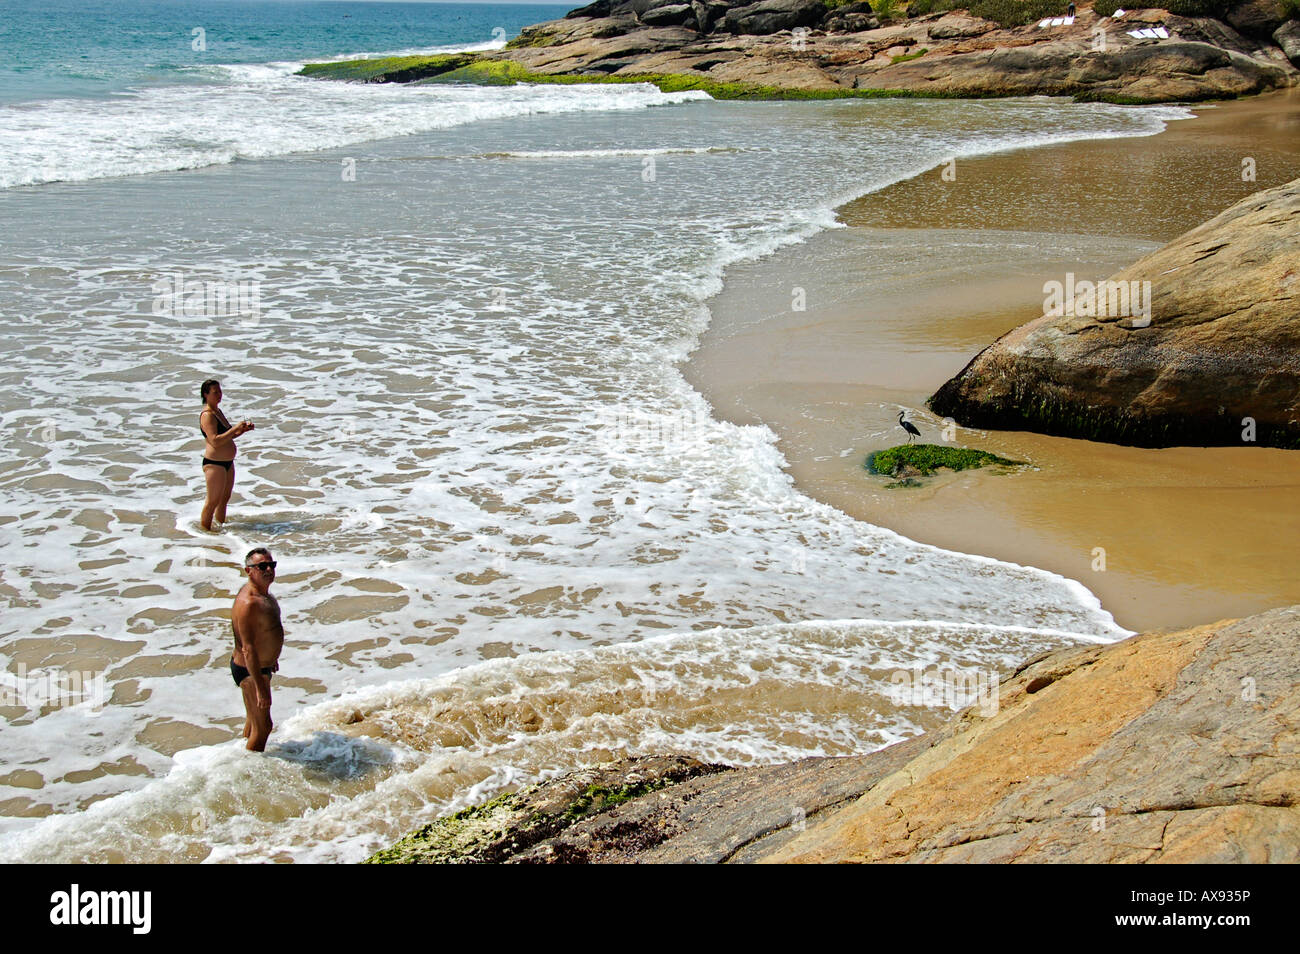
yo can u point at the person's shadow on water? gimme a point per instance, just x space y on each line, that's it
332 756
272 527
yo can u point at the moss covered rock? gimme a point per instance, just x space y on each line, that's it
909 461
513 822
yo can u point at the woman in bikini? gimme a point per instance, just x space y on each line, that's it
218 453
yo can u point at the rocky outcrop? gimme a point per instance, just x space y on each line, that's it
956 27
1173 748
851 18
1257 17
1156 72
772 16
802 47
1197 344
1181 747
1287 37
670 14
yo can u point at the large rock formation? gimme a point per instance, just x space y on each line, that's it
1287 37
1180 747
1257 17
796 47
1177 748
846 48
772 16
1198 343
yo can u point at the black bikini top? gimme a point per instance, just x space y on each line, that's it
221 419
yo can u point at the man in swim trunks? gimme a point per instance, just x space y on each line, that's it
259 637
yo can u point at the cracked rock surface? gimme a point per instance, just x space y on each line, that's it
1176 748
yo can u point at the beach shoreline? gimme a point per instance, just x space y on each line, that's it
930 271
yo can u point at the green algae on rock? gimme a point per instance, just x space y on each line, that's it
906 57
908 461
513 822
483 71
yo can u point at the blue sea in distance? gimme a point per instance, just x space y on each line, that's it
63 48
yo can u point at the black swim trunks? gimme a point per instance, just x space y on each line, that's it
239 673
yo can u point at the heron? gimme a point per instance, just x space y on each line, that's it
908 426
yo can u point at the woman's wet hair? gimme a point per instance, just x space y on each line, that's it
207 386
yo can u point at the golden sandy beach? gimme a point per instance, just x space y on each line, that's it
927 274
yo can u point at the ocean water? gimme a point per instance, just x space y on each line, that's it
103 49
512 539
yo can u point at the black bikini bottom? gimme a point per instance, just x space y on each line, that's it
239 673
220 463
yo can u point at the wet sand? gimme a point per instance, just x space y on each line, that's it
927 274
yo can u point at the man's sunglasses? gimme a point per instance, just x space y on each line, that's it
264 566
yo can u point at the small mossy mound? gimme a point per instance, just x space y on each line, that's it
597 798
907 57
468 836
482 72
532 37
908 460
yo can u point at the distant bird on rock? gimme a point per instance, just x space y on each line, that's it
908 426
